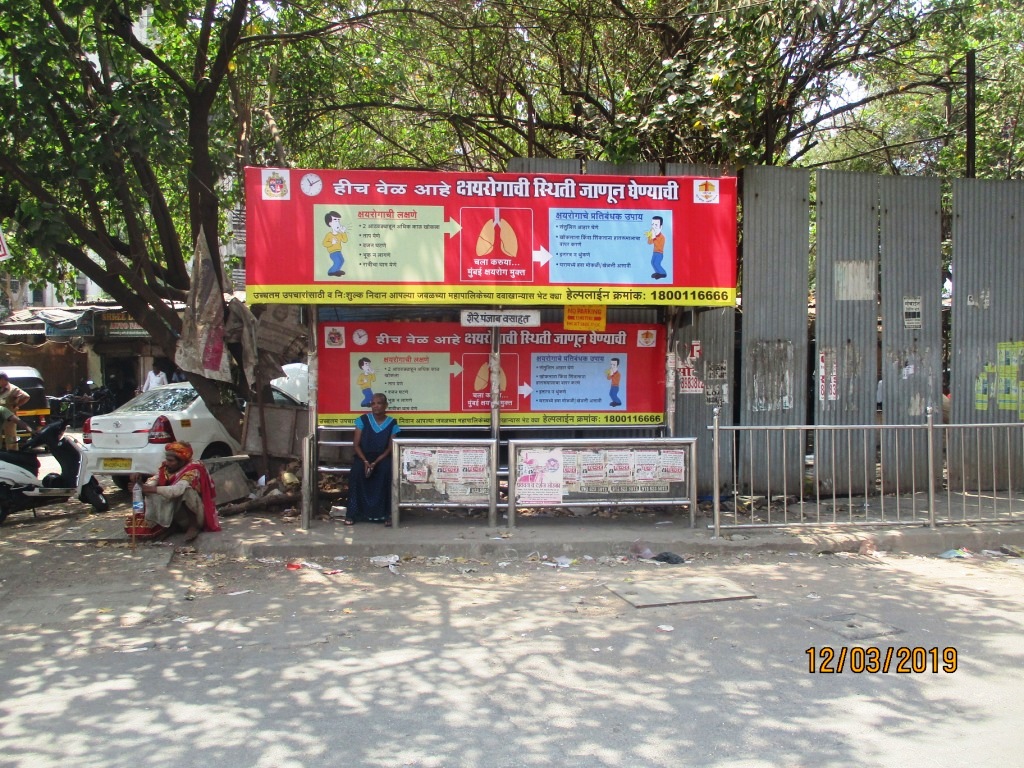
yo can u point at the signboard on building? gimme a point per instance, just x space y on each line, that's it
912 312
119 324
406 237
585 318
501 318
438 374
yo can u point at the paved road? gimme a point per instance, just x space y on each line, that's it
168 657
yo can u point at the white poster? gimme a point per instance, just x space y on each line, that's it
539 478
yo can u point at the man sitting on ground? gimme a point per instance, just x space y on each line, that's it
181 494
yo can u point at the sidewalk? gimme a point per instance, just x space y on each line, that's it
433 533
426 535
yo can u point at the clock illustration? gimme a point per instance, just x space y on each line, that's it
311 184
360 336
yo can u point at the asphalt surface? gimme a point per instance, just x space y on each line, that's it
270 646
168 655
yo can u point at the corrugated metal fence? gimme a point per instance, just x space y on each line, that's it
806 429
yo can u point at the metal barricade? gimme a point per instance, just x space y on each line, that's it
857 475
605 472
445 473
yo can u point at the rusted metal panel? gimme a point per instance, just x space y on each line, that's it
911 300
846 325
601 167
775 249
543 165
988 326
704 347
698 169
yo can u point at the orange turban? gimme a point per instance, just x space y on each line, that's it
182 450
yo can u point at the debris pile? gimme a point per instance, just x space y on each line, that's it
282 492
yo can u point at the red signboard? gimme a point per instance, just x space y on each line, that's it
438 374
407 237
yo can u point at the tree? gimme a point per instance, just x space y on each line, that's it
469 85
108 157
922 129
127 125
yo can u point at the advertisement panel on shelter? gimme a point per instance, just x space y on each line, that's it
409 237
554 475
439 374
450 473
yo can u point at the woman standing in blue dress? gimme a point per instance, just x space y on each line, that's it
369 482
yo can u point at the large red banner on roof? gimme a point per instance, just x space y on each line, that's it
408 237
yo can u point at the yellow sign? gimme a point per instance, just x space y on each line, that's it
586 317
508 419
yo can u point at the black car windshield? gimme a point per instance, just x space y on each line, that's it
170 399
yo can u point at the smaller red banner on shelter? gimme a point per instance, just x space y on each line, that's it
438 374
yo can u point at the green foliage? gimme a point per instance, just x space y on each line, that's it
127 125
110 155
917 124
458 85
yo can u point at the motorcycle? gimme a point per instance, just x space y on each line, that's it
64 407
21 487
103 401
76 408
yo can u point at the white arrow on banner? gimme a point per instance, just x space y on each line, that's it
4 252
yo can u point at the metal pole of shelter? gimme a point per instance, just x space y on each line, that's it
310 495
495 368
670 372
715 459
930 426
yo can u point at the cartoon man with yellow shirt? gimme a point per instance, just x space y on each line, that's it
656 239
365 381
333 241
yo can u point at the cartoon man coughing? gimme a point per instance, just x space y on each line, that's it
614 376
333 241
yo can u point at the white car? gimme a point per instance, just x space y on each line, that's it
294 385
132 438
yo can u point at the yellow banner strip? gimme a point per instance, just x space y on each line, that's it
431 294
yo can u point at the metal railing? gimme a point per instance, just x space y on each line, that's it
435 474
856 475
604 472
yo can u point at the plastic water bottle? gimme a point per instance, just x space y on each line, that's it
138 505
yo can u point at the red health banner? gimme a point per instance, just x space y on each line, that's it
409 237
438 374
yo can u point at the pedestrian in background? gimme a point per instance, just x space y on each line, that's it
7 416
11 398
155 378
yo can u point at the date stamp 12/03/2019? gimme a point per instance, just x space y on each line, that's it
828 659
